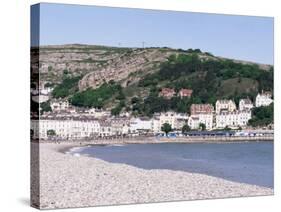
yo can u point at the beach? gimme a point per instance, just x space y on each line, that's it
79 181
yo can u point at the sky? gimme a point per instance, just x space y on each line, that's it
239 37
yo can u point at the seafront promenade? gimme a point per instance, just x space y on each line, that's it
153 139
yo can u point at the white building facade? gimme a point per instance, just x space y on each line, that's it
176 120
65 128
263 99
105 128
194 121
138 125
98 113
169 118
120 126
201 114
233 119
59 105
156 127
225 105
245 104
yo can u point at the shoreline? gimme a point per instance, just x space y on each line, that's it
70 181
158 140
65 147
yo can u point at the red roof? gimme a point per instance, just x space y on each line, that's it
201 109
185 92
167 92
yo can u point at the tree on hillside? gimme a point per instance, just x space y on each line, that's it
202 126
135 100
65 72
49 85
116 111
121 95
166 128
262 116
185 128
50 68
68 86
45 107
95 97
51 132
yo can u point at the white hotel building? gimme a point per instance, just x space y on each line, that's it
233 119
66 128
195 120
263 99
225 105
201 114
176 120
245 104
228 116
139 125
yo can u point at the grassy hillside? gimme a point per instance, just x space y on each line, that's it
209 79
238 86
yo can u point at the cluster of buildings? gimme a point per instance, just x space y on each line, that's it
78 127
229 116
67 122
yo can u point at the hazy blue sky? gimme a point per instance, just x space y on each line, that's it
240 37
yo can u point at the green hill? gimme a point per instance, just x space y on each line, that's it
130 79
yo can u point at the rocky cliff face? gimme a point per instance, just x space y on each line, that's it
125 68
98 64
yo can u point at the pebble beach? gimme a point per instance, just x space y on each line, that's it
80 181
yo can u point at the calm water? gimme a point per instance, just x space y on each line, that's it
250 163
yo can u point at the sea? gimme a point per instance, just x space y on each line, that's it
244 162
